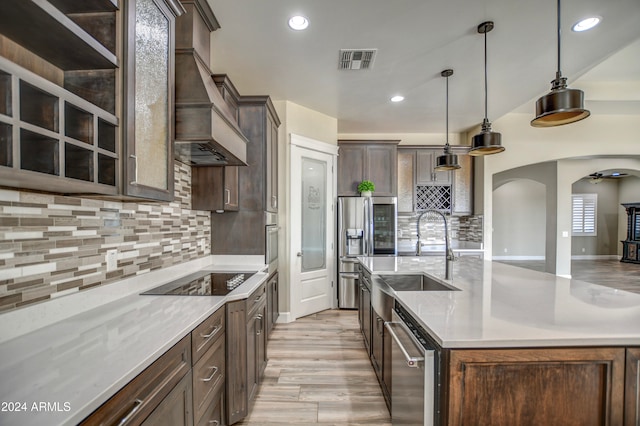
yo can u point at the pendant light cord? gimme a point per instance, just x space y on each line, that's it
486 108
559 73
447 114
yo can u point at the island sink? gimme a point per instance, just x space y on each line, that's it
416 282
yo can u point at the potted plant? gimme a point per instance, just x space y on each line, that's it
365 188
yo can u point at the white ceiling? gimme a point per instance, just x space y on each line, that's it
416 40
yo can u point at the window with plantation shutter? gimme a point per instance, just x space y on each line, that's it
583 214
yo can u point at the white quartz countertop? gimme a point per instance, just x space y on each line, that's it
505 306
75 364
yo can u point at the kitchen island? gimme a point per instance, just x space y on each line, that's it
523 347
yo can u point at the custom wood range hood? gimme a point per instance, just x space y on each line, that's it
206 131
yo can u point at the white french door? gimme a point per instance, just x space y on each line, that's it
312 227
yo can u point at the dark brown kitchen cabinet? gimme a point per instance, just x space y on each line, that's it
209 367
147 391
149 84
365 312
215 188
69 88
175 409
377 327
565 386
236 385
256 341
367 160
272 302
632 388
246 352
259 122
243 232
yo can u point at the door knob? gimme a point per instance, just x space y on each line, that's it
299 254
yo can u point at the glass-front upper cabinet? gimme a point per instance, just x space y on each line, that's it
148 87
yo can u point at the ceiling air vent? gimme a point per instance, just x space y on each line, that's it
356 59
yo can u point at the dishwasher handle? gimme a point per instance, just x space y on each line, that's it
416 357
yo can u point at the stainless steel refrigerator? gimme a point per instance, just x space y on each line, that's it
367 226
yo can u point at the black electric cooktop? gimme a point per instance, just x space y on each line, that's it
202 284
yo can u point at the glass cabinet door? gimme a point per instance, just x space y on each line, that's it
149 82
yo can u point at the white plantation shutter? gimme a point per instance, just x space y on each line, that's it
583 214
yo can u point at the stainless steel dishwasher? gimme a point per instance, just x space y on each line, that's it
415 372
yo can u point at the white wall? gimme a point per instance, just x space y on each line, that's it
598 135
311 124
519 220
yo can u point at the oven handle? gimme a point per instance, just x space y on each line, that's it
412 361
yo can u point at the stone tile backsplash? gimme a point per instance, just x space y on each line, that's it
52 245
462 228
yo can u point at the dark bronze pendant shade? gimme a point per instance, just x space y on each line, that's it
447 161
486 142
562 105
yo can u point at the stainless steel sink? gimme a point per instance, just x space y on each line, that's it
416 282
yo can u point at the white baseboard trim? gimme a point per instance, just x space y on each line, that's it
284 318
518 258
564 276
596 257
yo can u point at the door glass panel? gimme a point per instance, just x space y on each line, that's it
314 218
151 94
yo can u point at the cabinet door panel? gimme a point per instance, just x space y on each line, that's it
351 162
406 185
463 186
632 388
582 386
149 106
236 348
175 409
381 169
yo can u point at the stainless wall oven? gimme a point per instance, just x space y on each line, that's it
271 241
415 369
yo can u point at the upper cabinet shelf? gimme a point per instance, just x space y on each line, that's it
49 29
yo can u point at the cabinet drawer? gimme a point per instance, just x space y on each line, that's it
206 334
255 299
208 377
134 402
214 414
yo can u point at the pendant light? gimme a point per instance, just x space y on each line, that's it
447 161
486 142
562 105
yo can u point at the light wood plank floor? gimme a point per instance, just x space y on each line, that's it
610 273
319 373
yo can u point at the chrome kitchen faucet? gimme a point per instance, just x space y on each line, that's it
448 252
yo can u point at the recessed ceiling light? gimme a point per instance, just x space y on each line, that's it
397 98
298 23
586 24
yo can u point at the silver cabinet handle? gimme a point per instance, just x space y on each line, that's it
259 329
214 422
135 173
136 406
349 276
213 373
214 331
228 192
412 361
